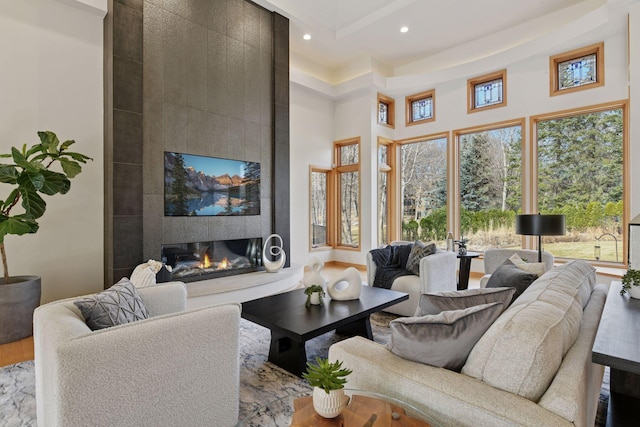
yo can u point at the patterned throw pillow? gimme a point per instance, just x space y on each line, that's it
419 251
117 305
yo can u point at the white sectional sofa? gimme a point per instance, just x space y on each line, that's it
532 367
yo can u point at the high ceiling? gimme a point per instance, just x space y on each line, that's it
346 31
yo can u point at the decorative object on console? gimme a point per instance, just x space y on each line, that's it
350 276
328 380
315 295
30 174
540 225
276 251
631 283
314 276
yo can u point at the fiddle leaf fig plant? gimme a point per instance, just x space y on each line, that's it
29 173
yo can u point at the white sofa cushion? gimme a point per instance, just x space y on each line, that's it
522 351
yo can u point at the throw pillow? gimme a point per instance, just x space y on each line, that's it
445 339
419 251
117 305
508 275
434 303
536 268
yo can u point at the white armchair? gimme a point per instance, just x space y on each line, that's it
494 257
175 368
437 273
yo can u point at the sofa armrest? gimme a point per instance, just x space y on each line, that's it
453 399
438 272
371 269
176 369
164 298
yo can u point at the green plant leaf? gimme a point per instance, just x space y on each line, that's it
37 180
55 183
77 156
8 174
68 143
35 149
49 140
70 167
11 198
16 225
21 161
34 206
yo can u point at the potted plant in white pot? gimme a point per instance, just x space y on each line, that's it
29 173
315 295
328 380
631 283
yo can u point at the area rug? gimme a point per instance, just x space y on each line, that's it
260 381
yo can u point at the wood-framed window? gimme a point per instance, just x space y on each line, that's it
578 69
486 92
386 194
420 108
320 207
347 171
386 111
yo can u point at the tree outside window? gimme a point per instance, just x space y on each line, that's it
490 187
348 176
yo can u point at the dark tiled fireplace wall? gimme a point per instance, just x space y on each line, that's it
205 77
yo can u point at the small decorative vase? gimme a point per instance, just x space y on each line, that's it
276 251
314 298
314 277
329 405
352 289
634 291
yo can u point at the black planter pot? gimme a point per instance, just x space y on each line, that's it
18 300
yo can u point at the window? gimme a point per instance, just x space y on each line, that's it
386 158
580 173
490 184
347 155
488 91
420 108
577 70
423 174
320 183
386 111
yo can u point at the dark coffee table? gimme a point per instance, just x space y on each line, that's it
292 324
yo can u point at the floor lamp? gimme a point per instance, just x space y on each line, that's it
540 225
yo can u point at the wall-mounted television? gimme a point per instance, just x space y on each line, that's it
208 186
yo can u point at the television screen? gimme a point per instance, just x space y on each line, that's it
206 186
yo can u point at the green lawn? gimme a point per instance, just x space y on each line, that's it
585 250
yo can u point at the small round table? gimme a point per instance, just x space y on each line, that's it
465 269
297 410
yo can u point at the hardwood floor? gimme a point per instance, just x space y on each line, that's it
17 351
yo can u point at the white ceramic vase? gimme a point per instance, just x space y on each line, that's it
314 298
634 292
351 283
329 405
314 275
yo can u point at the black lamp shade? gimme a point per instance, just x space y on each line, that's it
540 225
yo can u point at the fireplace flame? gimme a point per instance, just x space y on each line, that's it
224 264
207 261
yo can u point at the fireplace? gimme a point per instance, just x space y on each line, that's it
207 260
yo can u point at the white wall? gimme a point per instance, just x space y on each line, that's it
528 94
51 56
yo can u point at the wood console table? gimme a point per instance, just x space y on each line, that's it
617 345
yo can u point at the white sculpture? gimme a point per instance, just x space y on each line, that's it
352 289
313 276
276 251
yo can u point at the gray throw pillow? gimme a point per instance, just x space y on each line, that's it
117 305
419 251
443 340
508 275
434 303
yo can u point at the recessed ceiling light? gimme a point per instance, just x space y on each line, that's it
307 37
404 29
